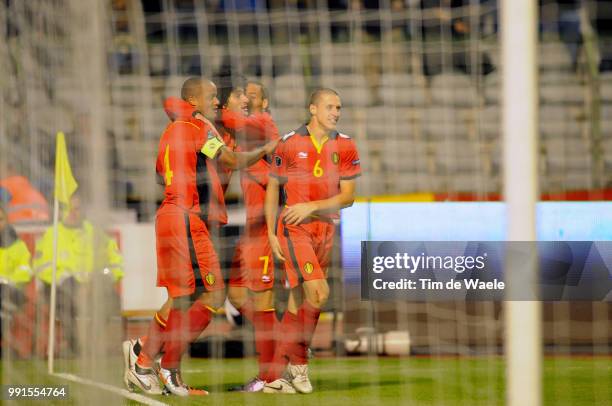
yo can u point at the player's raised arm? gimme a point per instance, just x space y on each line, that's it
239 160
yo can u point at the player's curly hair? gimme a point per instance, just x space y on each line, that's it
227 81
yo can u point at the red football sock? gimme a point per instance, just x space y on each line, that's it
154 340
264 323
308 316
290 329
183 328
248 310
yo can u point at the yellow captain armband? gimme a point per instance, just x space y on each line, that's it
212 147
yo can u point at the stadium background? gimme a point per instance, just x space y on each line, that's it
420 83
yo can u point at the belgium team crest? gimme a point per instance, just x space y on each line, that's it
210 278
335 158
308 268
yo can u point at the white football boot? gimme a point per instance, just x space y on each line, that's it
129 358
172 380
136 376
299 377
279 386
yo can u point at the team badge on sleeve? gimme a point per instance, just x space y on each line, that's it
210 279
308 268
278 161
335 158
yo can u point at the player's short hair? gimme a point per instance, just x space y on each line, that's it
317 93
264 91
192 87
226 83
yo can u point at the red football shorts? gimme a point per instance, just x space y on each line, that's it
307 249
253 263
185 254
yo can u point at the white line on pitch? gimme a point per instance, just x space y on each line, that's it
122 392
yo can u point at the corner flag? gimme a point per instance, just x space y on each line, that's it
65 184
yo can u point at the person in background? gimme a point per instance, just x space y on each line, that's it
15 273
23 202
79 247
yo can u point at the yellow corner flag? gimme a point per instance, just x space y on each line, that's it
65 184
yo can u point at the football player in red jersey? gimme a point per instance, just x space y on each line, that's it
316 167
253 264
186 258
230 120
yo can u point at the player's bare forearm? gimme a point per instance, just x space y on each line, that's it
299 212
239 160
271 211
342 200
271 204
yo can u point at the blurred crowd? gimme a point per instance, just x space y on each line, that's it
455 22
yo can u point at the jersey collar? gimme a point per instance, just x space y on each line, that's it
303 131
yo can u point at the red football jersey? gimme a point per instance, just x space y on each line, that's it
176 108
228 124
254 179
310 172
184 164
260 128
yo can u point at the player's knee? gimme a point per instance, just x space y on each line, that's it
217 299
317 293
213 299
237 296
322 295
264 300
182 303
164 311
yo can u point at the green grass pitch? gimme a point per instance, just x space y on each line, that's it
358 381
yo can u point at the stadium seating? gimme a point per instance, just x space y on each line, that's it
384 105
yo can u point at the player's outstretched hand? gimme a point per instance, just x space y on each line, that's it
276 248
269 147
297 213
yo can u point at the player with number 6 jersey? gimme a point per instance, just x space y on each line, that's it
316 167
